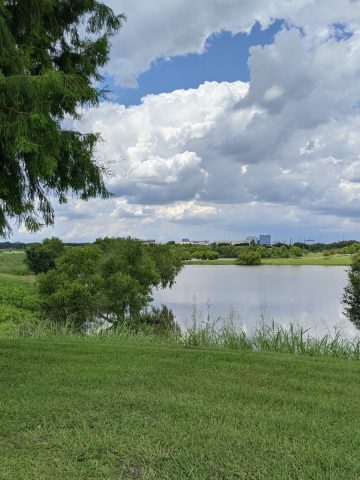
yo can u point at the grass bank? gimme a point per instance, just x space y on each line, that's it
13 262
19 302
309 259
91 410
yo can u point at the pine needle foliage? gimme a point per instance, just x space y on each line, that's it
50 55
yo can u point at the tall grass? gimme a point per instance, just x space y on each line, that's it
270 337
44 329
209 334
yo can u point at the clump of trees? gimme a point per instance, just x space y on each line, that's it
110 280
40 257
249 258
205 254
351 297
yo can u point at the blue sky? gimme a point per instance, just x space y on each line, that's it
224 59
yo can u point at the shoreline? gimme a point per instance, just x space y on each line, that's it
312 260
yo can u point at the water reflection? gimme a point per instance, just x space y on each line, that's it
307 295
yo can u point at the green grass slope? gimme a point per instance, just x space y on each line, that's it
19 302
72 409
13 262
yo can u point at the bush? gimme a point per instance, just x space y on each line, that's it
249 258
161 319
205 254
295 252
23 297
351 297
40 257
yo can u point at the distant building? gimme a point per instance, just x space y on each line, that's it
187 241
200 242
264 239
252 239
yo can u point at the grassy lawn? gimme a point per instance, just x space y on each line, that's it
73 409
77 408
310 259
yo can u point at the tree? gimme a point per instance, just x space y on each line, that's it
168 263
40 257
249 258
351 297
110 280
48 70
280 252
352 249
205 254
295 251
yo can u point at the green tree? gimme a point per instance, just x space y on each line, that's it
280 252
40 257
295 251
249 258
205 254
110 280
353 248
264 252
72 292
351 297
50 56
168 263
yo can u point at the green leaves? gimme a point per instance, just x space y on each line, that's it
47 72
351 297
111 279
249 258
40 258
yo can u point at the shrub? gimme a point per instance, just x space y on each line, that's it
351 297
295 252
205 254
161 319
249 258
40 257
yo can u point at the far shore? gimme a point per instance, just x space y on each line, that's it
310 259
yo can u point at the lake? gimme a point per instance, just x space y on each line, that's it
309 296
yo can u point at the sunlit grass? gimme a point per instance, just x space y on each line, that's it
13 262
212 402
88 409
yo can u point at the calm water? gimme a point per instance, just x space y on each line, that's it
307 295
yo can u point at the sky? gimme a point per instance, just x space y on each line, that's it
226 118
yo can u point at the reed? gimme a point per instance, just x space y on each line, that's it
271 336
218 333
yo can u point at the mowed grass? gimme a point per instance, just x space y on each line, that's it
77 409
309 259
